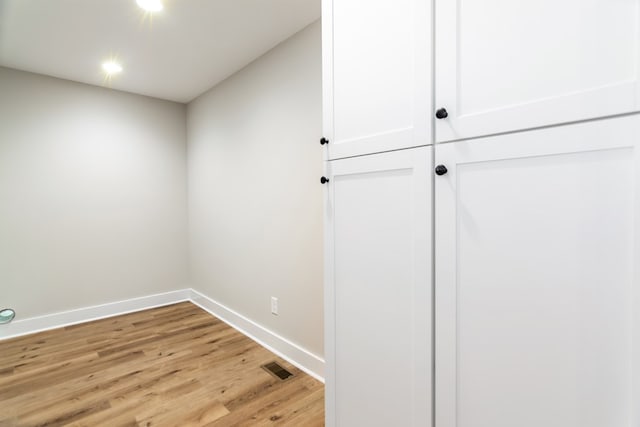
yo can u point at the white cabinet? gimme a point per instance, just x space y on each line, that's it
376 75
537 286
378 290
537 232
504 65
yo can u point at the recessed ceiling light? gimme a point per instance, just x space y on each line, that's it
150 5
111 67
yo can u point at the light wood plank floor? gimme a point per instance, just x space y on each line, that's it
169 366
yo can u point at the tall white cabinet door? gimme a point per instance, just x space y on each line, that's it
378 290
376 75
504 65
537 289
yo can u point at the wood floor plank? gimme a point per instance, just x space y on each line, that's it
170 366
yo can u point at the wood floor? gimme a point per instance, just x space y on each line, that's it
169 366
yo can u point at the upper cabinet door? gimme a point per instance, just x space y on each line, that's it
504 65
376 75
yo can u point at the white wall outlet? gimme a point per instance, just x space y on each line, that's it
274 306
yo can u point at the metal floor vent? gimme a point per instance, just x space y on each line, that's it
276 370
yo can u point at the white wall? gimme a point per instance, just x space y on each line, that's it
255 202
92 195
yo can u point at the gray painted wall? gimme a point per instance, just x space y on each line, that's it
255 203
93 201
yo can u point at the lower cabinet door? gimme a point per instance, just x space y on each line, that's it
378 290
537 291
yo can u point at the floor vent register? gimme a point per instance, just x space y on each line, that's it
277 371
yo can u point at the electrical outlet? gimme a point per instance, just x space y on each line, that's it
274 306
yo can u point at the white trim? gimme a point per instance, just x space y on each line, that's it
65 318
293 353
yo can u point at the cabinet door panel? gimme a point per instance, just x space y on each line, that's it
378 293
376 75
503 65
537 295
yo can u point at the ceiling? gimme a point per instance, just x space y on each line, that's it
176 54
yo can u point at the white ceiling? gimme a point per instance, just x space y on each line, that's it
175 54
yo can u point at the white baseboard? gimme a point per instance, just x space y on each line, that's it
58 320
293 353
